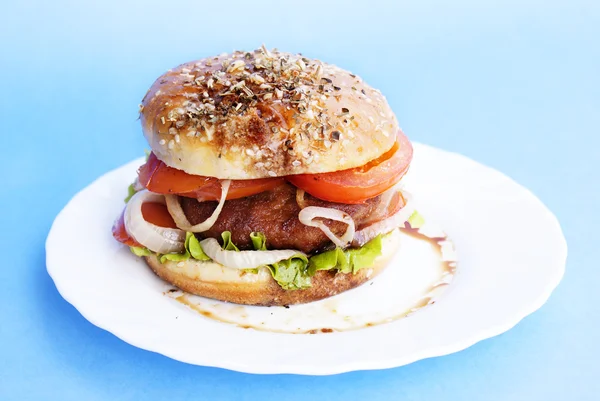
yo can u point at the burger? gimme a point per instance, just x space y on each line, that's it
273 179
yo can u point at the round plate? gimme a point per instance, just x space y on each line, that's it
511 256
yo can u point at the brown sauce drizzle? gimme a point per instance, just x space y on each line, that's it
448 266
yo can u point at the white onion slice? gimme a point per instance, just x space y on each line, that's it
181 220
308 215
300 198
244 259
155 238
396 220
137 185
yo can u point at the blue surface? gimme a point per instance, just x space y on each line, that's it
512 84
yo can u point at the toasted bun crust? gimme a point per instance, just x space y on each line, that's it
212 280
265 114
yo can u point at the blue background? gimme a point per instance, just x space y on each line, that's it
512 84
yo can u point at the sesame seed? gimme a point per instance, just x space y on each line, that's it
177 139
318 72
236 66
162 120
271 173
296 163
250 152
371 119
266 51
257 79
327 143
191 133
162 142
267 96
172 130
171 144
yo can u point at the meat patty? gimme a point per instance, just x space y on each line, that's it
275 214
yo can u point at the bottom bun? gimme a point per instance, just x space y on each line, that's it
213 280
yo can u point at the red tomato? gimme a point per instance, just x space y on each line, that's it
159 178
120 234
155 213
358 184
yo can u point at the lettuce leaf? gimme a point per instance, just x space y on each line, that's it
346 261
174 257
193 249
416 220
290 274
259 241
130 192
227 244
138 251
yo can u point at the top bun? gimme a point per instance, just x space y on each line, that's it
265 114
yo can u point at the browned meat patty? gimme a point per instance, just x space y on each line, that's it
275 214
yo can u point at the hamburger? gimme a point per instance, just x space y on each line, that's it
273 179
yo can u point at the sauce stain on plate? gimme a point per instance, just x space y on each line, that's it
416 277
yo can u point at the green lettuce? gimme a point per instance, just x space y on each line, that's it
193 249
290 274
416 220
259 241
139 251
227 244
130 192
347 261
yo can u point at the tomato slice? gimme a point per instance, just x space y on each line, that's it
120 234
159 178
358 184
155 213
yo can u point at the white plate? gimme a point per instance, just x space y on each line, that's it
511 256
